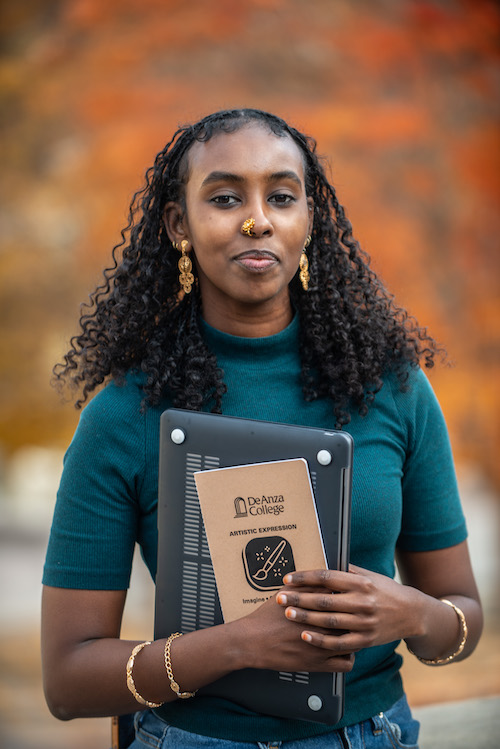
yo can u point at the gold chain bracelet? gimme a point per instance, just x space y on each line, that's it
463 640
168 666
130 678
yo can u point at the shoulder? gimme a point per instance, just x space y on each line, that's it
116 440
118 399
410 401
411 392
113 420
418 409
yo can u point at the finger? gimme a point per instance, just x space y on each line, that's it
358 570
336 644
331 664
349 603
333 580
329 621
341 663
312 601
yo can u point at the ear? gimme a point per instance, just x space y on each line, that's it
310 210
175 223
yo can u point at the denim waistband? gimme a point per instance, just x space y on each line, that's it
393 729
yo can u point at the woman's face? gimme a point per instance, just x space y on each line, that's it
251 173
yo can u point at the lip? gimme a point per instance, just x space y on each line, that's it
256 260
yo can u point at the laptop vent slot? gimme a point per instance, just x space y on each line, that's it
207 598
299 677
192 515
189 596
198 600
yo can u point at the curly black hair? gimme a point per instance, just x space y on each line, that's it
352 332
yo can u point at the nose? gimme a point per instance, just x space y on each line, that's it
263 226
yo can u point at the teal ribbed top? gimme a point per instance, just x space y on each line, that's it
404 493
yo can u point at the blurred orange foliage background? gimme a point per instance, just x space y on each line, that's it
401 97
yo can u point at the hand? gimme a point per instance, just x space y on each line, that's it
367 609
270 640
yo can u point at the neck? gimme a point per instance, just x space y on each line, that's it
249 321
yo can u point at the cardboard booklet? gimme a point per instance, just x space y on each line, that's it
261 522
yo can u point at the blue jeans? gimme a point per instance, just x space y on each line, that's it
393 729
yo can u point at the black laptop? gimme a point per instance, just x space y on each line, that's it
186 592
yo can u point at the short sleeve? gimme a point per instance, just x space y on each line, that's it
96 515
432 514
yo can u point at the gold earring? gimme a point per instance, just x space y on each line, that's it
304 271
247 227
186 278
304 265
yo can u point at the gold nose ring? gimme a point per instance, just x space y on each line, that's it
247 227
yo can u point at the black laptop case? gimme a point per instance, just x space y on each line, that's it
186 592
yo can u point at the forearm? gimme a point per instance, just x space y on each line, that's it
90 681
85 662
439 631
444 573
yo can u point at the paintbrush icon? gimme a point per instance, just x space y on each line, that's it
270 562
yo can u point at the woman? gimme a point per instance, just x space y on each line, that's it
208 309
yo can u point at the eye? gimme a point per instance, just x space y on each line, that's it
282 198
224 200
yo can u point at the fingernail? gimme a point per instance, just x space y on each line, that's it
291 614
281 598
287 579
306 637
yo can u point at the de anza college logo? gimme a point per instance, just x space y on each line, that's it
266 559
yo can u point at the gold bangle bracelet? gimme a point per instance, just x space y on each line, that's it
168 667
130 678
463 640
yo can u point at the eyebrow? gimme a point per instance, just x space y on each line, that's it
238 179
